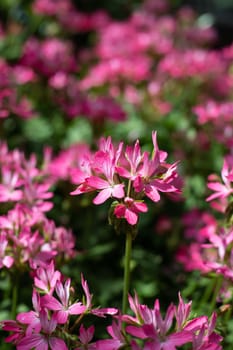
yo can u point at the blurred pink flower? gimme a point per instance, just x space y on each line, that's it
222 190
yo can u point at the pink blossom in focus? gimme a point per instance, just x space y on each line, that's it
63 306
85 337
45 339
130 210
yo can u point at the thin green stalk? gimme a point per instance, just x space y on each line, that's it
15 288
128 249
208 292
216 290
129 188
78 320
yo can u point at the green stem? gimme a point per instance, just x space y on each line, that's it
78 320
128 248
15 287
208 292
129 188
216 290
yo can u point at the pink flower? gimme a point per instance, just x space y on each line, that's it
182 313
17 331
157 328
44 340
85 337
5 259
107 189
10 181
155 175
130 210
206 338
31 318
134 158
46 278
104 181
63 308
117 341
222 190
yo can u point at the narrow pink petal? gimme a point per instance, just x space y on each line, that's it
214 196
77 309
97 182
196 323
51 303
119 210
118 191
62 316
163 186
216 186
152 193
102 196
33 341
108 344
142 207
131 217
57 344
123 172
8 261
26 317
179 338
104 311
136 331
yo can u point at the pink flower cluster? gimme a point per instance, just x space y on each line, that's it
11 79
156 332
222 187
73 102
219 116
51 325
47 326
49 56
69 17
27 236
197 63
211 248
126 176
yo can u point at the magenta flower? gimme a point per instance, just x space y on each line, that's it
130 210
149 328
31 318
107 189
63 308
103 178
111 170
45 339
46 278
17 331
222 190
182 312
5 259
157 330
206 338
85 337
9 189
117 341
134 158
